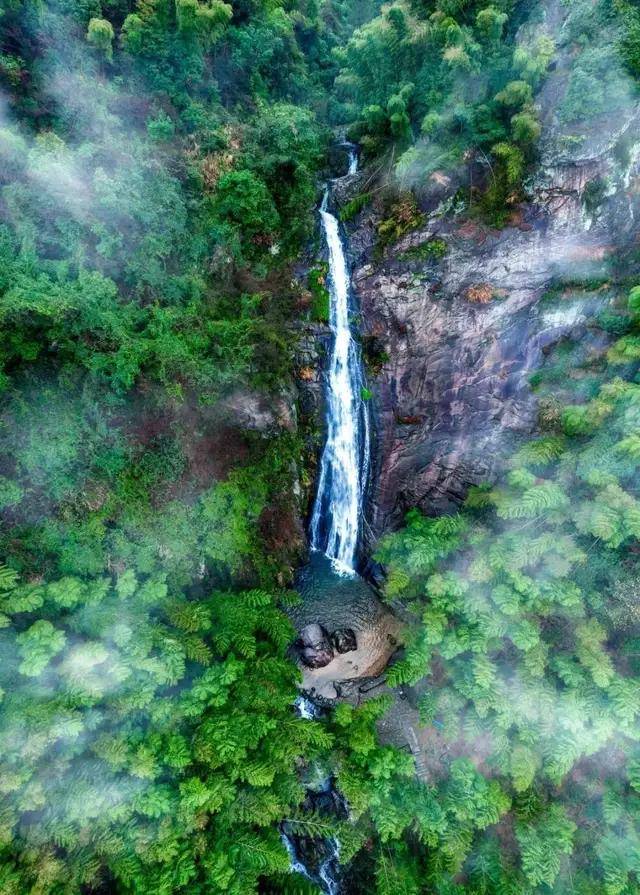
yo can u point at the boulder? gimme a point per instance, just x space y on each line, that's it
344 640
314 646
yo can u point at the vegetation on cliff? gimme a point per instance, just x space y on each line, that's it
430 82
159 166
434 85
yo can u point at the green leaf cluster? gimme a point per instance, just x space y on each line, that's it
147 739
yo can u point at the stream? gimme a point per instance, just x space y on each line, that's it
335 527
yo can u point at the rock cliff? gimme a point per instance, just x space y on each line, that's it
455 333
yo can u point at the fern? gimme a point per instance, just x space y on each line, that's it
354 206
189 616
8 578
533 502
313 824
257 599
395 873
262 854
630 446
633 773
541 451
543 843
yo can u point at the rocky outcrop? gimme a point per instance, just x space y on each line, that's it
455 340
313 342
312 346
256 412
344 640
314 646
461 341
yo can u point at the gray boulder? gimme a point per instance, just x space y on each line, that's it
314 646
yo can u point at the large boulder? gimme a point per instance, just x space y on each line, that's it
314 646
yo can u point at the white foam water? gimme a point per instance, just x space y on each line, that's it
337 513
306 709
326 877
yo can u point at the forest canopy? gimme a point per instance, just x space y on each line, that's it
159 172
161 162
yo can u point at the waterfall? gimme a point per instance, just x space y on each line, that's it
337 512
306 709
326 874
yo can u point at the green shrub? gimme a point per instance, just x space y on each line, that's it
10 493
430 250
321 300
404 216
161 127
354 206
100 34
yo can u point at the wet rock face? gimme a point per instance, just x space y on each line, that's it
457 338
461 344
314 646
312 347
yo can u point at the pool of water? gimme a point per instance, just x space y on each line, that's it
338 601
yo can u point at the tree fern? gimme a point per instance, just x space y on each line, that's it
395 873
543 844
633 773
531 503
541 451
8 578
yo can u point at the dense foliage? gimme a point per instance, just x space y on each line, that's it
148 741
528 634
159 166
432 84
433 81
151 197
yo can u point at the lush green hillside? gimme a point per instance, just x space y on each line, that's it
529 631
432 85
159 170
157 178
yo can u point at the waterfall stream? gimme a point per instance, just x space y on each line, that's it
336 520
337 513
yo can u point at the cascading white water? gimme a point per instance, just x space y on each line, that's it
326 874
336 517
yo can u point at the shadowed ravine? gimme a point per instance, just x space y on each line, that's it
345 632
